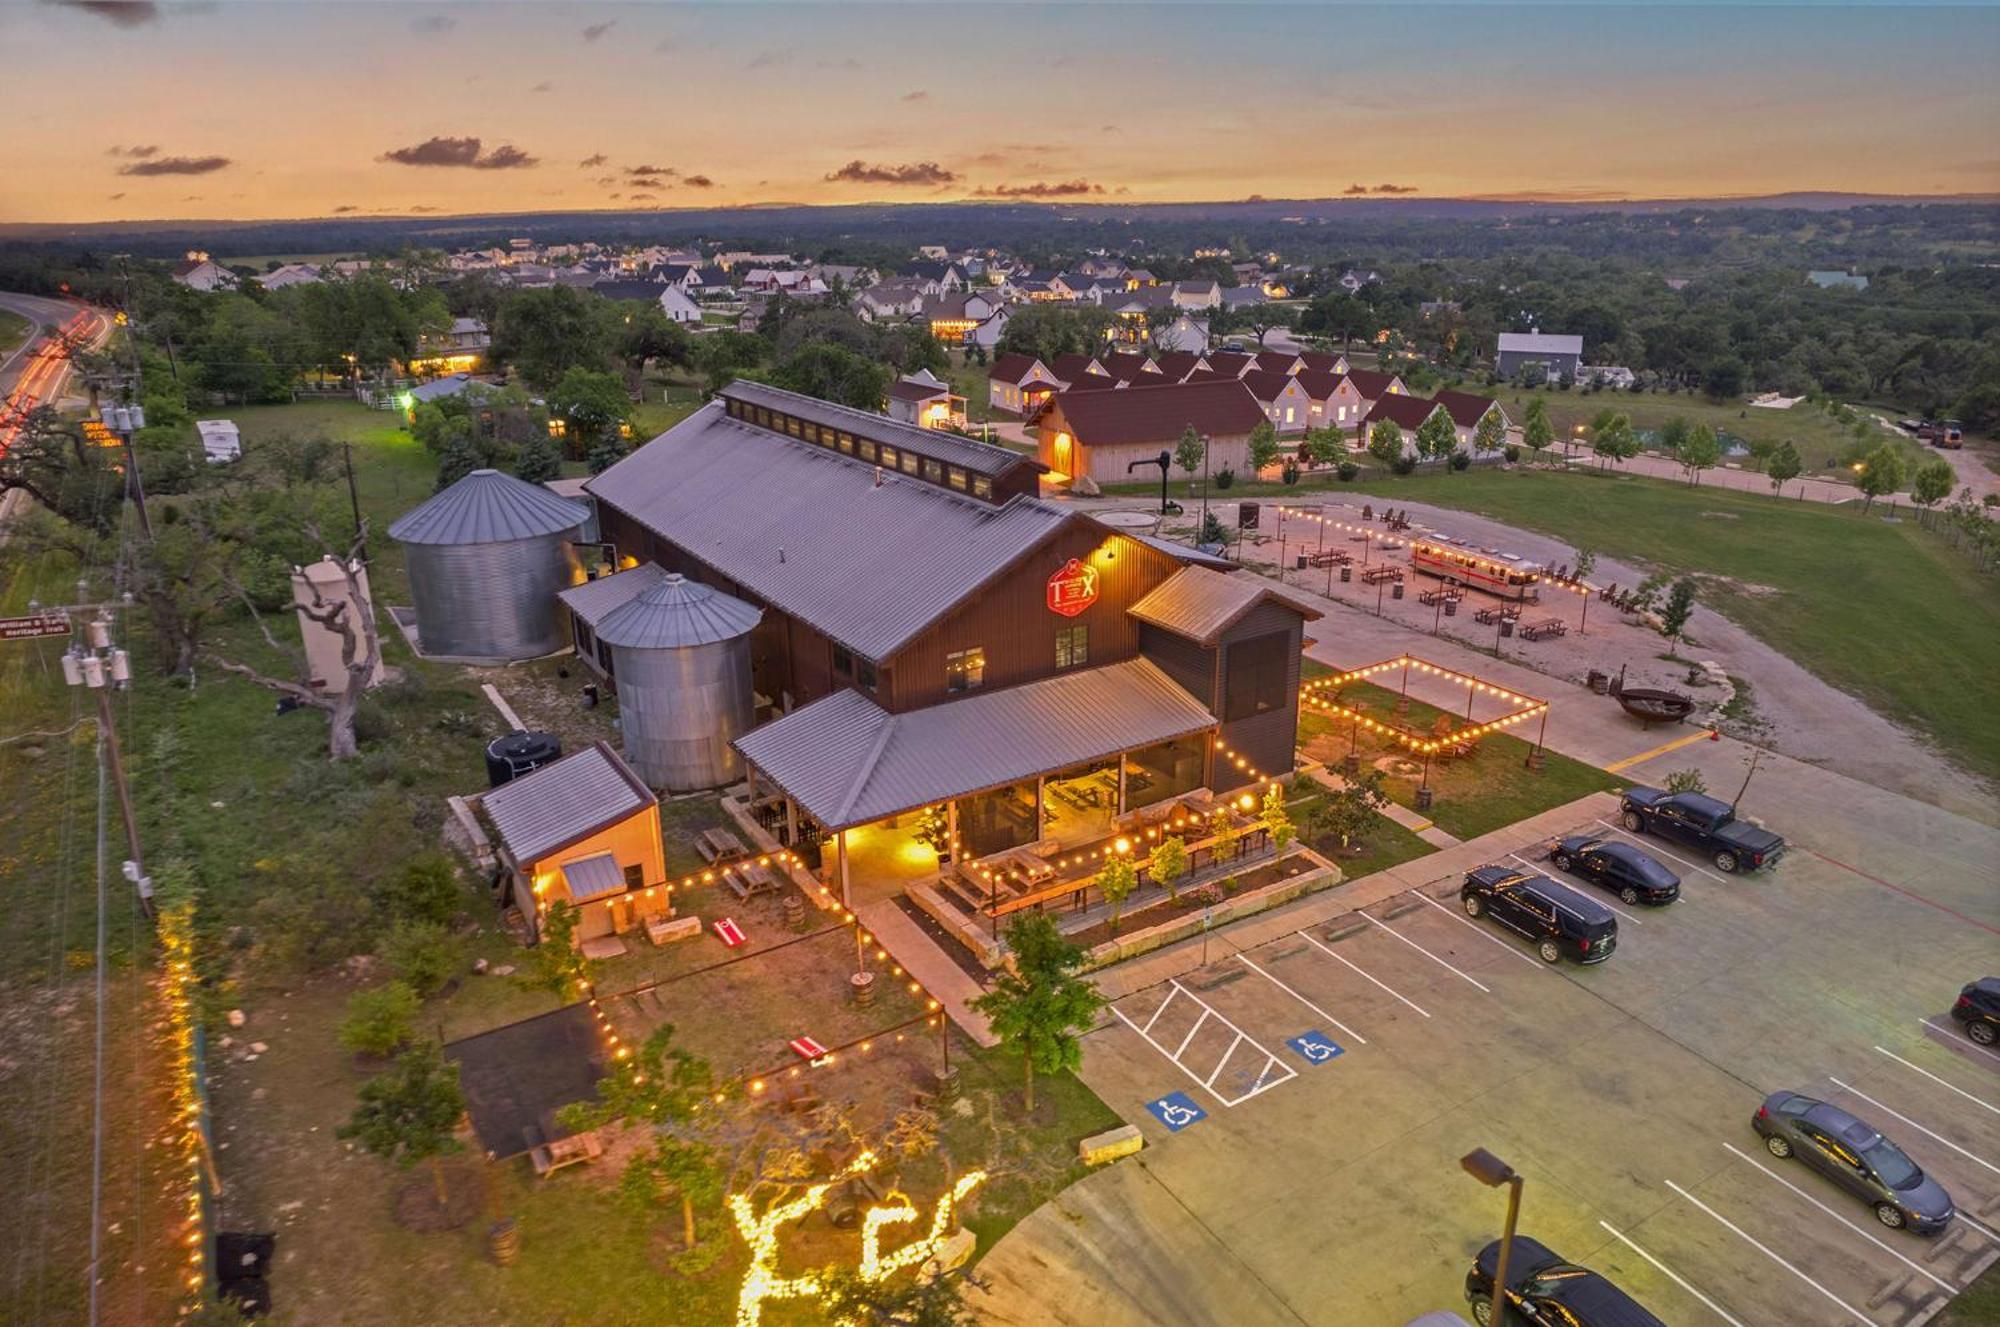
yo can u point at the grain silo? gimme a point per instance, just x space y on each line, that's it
486 558
681 653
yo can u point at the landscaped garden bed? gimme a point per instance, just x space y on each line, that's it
1216 903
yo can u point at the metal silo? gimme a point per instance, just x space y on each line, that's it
486 558
680 651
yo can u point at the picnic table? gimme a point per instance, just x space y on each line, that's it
1329 558
719 843
1376 575
747 880
551 1156
1547 627
1439 596
1493 613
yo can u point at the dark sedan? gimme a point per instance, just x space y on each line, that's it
1630 873
1541 1287
1855 1156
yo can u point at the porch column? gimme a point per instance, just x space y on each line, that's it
1121 783
840 849
791 822
1040 830
951 825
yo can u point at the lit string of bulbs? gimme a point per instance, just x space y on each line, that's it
185 1137
1540 576
1531 707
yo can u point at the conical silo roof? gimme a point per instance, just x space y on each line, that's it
677 612
487 507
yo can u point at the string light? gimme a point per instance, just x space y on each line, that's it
1528 706
1535 576
176 932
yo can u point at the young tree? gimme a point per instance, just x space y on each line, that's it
1263 445
1679 607
1674 435
663 1086
1040 1006
1351 811
1687 781
1168 863
1881 473
1116 882
1326 446
423 955
1275 818
1932 484
1189 453
555 964
1583 562
539 460
1435 437
592 406
1784 466
1490 434
407 1114
1698 451
460 455
1613 439
1385 442
1536 431
380 1019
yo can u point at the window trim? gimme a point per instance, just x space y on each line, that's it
968 666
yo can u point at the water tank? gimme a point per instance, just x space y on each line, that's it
486 558
681 653
509 757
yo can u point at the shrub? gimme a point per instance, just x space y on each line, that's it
425 890
1290 474
311 920
1404 465
1347 470
424 956
1511 452
1460 460
1225 477
380 1019
371 725
1687 781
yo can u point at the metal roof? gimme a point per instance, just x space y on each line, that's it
487 507
676 612
593 877
811 532
1201 604
449 385
563 802
849 762
1183 552
593 599
981 458
1544 343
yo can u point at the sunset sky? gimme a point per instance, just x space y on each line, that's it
293 108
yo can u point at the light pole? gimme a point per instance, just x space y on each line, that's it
99 667
1491 1171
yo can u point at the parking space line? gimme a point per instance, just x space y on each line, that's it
1650 846
1983 1105
1157 1012
1223 1063
1947 1286
1360 973
1859 1316
1913 1124
1959 1039
1192 1076
1481 932
1181 1049
1538 870
1427 953
1960 1216
1676 1277
1358 1039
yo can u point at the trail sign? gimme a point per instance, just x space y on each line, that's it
35 627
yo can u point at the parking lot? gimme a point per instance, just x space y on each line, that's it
1305 1101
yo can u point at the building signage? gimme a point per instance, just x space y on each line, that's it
1073 588
33 628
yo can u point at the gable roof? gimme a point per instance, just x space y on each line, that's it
1177 364
487 507
904 390
1266 384
848 762
593 599
1015 368
648 291
1234 363
1201 604
810 531
1408 412
564 802
1322 360
1541 343
1371 383
1159 414
1318 383
1071 366
1466 408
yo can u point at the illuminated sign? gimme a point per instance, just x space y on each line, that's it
1072 589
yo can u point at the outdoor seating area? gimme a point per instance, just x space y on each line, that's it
720 845
1545 629
1377 575
1440 596
1496 613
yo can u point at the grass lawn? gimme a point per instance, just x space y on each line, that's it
1386 843
1978 1304
969 381
1489 790
13 327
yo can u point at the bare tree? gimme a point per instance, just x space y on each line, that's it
360 651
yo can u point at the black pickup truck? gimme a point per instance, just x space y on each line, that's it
1704 824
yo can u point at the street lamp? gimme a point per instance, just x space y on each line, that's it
1491 1171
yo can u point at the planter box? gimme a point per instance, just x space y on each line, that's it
1189 923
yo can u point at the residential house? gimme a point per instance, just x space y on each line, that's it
1235 298
1231 363
1184 334
679 306
1099 434
1279 361
1335 401
1072 368
954 319
848 276
1197 295
1836 280
922 400
934 252
1557 356
1018 384
197 272
289 274
1407 412
1322 361
1130 367
583 832
1466 410
1354 281
1284 400
889 301
460 350
942 278
1176 365
1372 386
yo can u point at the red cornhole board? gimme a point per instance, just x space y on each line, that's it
807 1049
729 932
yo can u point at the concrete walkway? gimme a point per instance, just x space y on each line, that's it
918 953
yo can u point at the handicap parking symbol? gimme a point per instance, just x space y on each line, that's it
1316 1047
1177 1111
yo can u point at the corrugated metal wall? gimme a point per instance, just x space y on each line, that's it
1268 740
491 601
681 709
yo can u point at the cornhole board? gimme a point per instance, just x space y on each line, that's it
729 932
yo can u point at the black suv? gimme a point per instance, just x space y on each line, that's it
1555 917
1542 1288
1630 873
1978 1008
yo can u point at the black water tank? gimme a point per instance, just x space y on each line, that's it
517 753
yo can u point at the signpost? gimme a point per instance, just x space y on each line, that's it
34 627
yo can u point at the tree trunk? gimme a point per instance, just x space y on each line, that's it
1028 1091
437 1182
687 1220
341 743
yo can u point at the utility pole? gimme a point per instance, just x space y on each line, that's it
125 420
103 669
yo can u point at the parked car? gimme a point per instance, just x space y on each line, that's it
1704 824
1555 917
1978 1008
1542 1288
1854 1155
1630 873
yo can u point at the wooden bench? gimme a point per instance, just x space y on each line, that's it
747 880
1429 597
550 1157
1376 575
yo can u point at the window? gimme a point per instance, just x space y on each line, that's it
1255 676
933 470
1073 646
956 477
982 487
843 662
847 443
763 416
795 426
866 450
890 456
635 876
864 675
964 669
909 463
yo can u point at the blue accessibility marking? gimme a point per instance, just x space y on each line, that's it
1177 1111
1316 1047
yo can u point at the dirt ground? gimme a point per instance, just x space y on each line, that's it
1787 707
